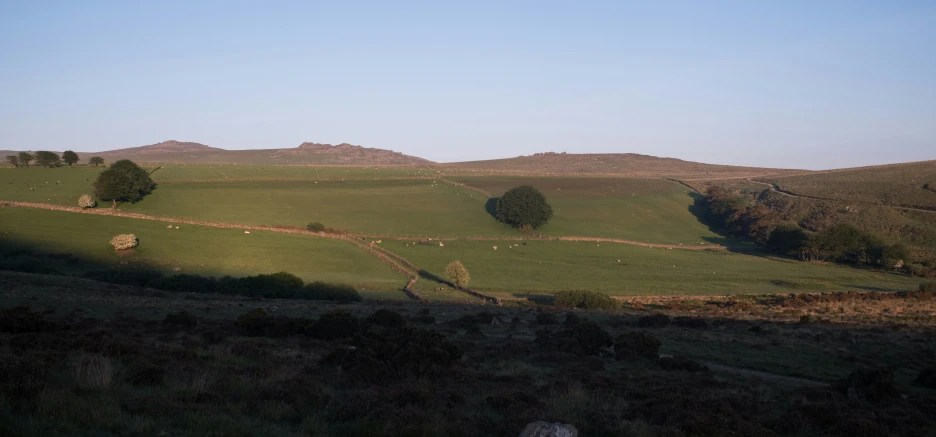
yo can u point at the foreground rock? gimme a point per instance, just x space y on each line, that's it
546 429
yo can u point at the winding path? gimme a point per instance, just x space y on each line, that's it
776 189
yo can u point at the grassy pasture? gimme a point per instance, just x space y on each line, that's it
545 267
415 207
60 186
647 210
195 249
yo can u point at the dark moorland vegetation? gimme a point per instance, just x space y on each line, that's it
241 367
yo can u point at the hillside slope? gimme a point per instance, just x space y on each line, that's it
306 153
911 184
623 164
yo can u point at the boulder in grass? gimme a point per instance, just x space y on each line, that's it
547 429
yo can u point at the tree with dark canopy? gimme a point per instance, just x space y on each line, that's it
70 157
47 159
14 160
524 207
96 161
25 158
124 181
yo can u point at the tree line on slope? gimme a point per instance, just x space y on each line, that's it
48 159
841 242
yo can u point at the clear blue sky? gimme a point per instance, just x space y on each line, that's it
804 84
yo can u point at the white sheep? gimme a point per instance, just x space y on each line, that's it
441 245
246 232
495 247
169 227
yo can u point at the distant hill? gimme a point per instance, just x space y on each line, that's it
910 184
623 164
306 153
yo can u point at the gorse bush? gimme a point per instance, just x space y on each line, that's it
315 227
124 242
85 201
584 299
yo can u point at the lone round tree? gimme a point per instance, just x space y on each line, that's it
70 157
524 207
124 181
458 274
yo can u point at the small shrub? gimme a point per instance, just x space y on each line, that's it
180 321
581 339
315 227
386 318
546 319
134 277
186 283
872 384
682 363
20 320
386 356
928 287
319 290
690 322
124 242
85 201
254 322
94 372
653 321
335 324
584 299
633 345
926 378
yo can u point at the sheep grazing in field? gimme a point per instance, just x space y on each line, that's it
441 245
177 227
246 232
495 247
379 241
169 227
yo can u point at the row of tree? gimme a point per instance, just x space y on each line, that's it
44 158
842 242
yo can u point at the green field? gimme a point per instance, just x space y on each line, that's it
545 267
60 186
646 210
195 249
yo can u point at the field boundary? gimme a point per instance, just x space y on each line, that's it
563 238
217 180
467 187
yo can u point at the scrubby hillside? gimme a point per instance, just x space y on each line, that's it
306 153
911 184
624 164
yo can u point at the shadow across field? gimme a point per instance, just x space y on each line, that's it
491 206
